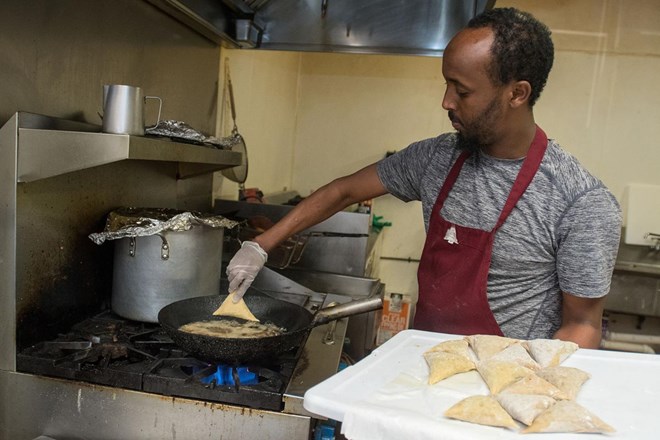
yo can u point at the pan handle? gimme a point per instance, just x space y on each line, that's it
348 309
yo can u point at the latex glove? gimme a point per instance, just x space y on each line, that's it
244 267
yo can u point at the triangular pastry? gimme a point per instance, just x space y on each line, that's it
518 354
444 364
533 384
567 416
567 379
550 352
457 346
235 310
498 375
524 407
483 410
485 346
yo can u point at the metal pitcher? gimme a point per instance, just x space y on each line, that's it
123 109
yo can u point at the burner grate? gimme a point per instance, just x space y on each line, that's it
109 350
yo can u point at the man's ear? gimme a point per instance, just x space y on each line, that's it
520 92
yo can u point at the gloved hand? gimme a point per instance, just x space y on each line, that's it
244 267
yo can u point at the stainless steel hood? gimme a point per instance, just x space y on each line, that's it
413 27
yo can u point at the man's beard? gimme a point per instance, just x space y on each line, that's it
479 134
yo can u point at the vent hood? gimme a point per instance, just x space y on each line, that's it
413 27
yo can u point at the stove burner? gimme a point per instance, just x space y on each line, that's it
228 375
109 350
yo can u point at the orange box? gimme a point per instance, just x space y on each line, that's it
395 317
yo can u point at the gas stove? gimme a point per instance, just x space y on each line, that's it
131 377
109 350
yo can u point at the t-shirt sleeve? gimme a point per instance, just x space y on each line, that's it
589 234
403 172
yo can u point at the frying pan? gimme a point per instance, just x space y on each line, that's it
296 320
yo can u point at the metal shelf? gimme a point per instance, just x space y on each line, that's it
44 153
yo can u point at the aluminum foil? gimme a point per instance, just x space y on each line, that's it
140 222
180 131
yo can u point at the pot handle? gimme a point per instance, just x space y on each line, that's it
348 309
164 248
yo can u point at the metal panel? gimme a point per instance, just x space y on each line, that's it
414 27
8 135
66 409
421 27
635 293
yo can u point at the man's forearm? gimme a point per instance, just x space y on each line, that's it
321 204
585 334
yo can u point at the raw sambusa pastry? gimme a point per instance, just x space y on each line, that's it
518 354
567 416
485 346
550 352
443 364
457 346
524 407
483 410
567 379
498 374
533 384
235 310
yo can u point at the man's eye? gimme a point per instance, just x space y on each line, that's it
462 94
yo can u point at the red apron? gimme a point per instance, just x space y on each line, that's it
453 271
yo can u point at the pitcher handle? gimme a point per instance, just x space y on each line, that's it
160 107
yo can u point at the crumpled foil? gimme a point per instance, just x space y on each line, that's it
140 222
178 130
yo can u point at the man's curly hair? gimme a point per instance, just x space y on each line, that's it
522 48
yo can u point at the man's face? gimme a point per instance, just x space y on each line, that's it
474 104
478 131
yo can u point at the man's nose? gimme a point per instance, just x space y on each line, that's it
447 102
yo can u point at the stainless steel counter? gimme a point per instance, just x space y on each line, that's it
636 281
638 259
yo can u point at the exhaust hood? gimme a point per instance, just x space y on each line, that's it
413 27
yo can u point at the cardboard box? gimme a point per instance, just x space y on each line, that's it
394 318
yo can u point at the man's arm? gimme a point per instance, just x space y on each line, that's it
581 320
324 202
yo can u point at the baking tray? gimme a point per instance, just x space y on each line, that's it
624 391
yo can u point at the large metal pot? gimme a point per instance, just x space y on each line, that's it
153 271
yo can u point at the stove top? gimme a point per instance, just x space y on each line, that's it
109 350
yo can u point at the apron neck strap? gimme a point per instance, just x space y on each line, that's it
525 175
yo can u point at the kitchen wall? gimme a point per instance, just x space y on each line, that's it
344 111
55 58
266 93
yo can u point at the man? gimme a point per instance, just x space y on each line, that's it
521 239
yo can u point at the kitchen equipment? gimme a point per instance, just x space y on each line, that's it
341 244
153 271
123 109
296 320
162 255
69 366
390 388
235 174
422 27
643 215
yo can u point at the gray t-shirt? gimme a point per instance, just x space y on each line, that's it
562 235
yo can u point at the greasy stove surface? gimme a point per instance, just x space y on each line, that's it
110 350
